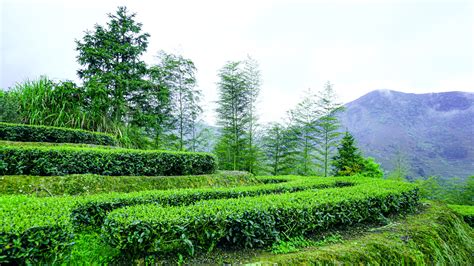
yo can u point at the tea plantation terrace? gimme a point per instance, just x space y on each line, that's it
75 197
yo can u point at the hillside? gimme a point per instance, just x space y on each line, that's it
432 133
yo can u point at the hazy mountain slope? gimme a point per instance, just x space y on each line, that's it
434 131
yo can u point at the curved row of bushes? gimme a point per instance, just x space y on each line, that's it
251 221
34 228
63 160
91 213
33 133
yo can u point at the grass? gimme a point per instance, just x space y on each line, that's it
88 184
465 211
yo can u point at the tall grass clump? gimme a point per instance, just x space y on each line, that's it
44 102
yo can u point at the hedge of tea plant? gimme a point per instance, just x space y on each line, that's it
91 213
34 229
251 222
33 133
63 160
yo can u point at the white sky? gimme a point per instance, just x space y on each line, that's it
360 46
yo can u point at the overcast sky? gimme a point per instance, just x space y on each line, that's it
360 46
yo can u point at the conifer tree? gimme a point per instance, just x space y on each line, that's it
111 64
348 160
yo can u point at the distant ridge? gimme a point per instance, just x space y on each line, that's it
433 132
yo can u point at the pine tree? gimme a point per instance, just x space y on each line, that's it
348 160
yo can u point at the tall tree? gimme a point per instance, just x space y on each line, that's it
253 83
232 114
303 123
178 76
328 125
110 60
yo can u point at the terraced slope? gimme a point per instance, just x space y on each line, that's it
83 203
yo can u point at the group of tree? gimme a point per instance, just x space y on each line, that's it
153 106
158 106
238 87
311 142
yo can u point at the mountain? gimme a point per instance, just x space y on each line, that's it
433 133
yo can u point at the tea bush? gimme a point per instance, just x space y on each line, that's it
63 160
34 229
253 221
33 133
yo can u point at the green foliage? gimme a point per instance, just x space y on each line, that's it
95 209
51 221
452 191
44 102
305 133
111 63
349 161
371 168
328 125
33 231
32 133
434 237
44 186
238 90
252 221
9 107
466 212
177 75
278 146
90 249
63 160
294 244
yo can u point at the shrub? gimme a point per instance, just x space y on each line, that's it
251 222
63 160
31 133
87 184
91 213
34 229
